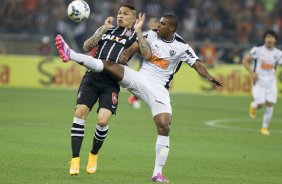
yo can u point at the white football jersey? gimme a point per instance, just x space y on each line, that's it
166 58
265 62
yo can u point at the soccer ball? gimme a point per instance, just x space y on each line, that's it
78 11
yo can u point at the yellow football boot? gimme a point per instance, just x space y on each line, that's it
264 131
252 112
92 163
74 167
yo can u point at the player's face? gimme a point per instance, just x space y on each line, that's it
269 40
164 28
125 17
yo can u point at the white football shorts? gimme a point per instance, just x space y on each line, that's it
265 93
154 95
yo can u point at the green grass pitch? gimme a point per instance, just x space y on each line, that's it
35 141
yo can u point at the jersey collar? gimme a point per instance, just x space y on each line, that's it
169 41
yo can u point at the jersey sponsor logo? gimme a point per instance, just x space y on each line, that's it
190 54
114 38
159 62
267 66
114 98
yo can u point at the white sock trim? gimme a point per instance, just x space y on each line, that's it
102 128
78 121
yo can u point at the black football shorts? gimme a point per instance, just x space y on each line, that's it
91 91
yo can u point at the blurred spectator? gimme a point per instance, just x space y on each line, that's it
2 49
189 23
14 17
208 53
232 56
152 23
222 21
219 19
45 46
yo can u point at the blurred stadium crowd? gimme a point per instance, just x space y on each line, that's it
224 27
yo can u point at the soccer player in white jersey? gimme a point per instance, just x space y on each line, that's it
151 82
265 59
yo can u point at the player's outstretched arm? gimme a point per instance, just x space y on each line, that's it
92 42
202 71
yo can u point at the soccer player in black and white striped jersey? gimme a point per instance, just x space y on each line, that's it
110 42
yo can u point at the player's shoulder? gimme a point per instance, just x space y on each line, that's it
182 43
179 39
256 48
152 32
277 50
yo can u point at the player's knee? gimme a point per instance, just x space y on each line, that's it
103 121
81 111
269 104
163 128
109 66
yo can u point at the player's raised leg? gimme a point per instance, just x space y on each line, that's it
96 65
67 54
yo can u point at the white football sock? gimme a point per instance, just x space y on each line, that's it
162 149
254 105
96 65
267 116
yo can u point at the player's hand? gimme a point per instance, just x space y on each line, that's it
108 23
123 59
139 22
216 82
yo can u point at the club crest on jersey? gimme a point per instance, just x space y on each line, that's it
172 53
113 38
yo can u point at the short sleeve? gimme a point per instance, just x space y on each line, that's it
149 35
254 53
189 55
